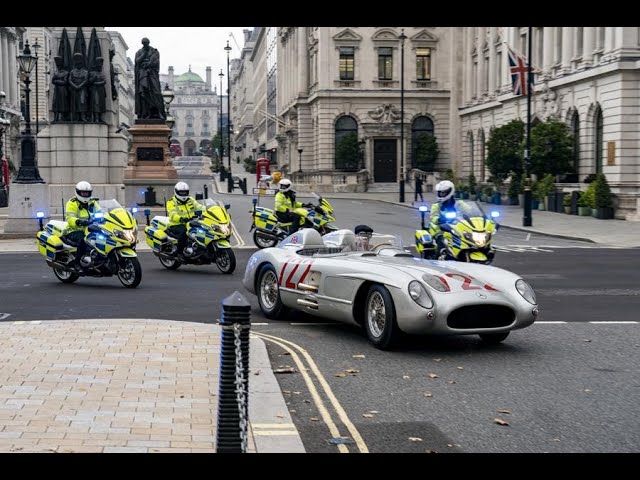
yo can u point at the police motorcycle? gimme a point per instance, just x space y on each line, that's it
269 230
207 239
111 240
467 231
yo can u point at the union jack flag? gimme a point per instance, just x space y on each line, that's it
518 69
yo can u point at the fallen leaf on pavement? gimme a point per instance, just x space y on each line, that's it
286 392
586 341
451 382
415 439
352 370
296 393
499 421
374 411
428 394
406 376
460 368
587 390
556 439
449 445
503 410
367 415
433 375
314 419
285 370
279 416
307 401
437 359
430 451
358 356
340 375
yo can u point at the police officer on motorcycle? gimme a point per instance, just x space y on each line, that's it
446 202
285 202
78 213
181 209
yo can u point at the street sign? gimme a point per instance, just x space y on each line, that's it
264 191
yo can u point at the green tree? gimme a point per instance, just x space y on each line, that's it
551 148
504 150
347 152
426 152
215 145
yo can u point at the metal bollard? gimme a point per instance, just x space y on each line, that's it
233 392
206 193
147 213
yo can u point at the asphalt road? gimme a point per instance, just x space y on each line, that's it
568 387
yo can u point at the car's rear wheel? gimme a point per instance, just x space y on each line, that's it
493 338
380 318
269 294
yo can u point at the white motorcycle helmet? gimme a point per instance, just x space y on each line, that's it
182 191
83 191
285 185
445 190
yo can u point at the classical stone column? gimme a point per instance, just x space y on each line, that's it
588 46
567 48
468 48
12 93
492 61
547 52
4 53
480 58
609 41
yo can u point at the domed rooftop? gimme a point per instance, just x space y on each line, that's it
189 77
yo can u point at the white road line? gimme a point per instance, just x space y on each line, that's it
304 324
620 322
528 236
259 323
4 315
548 323
36 322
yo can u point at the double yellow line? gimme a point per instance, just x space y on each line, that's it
294 349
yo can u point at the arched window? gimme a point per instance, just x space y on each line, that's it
420 156
575 131
347 148
471 157
482 154
598 124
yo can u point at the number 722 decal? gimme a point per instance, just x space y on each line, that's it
294 272
468 283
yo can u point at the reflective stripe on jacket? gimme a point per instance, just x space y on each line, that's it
76 210
177 210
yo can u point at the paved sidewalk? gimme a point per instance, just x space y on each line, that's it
134 386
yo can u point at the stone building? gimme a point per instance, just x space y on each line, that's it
125 79
11 39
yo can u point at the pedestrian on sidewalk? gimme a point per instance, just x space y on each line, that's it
418 190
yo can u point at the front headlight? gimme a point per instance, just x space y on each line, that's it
526 291
480 238
419 294
224 228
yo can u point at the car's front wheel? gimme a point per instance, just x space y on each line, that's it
380 318
269 294
493 338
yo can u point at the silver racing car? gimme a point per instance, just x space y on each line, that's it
372 281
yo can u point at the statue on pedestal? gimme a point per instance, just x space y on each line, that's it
61 99
78 81
149 102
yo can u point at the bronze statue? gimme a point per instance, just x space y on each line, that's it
149 103
114 87
60 81
98 91
78 81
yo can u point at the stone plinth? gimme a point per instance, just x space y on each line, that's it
149 157
25 200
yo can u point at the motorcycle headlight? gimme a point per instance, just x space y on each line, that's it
526 291
419 294
480 238
224 228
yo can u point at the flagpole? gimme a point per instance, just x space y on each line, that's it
526 218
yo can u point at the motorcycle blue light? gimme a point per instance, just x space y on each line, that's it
101 237
134 210
450 215
423 208
98 215
200 230
495 214
39 214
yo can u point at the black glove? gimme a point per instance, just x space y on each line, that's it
185 219
83 223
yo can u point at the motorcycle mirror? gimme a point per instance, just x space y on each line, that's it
227 206
254 201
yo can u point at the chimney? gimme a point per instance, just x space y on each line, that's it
171 77
208 87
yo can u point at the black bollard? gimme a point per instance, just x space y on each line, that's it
147 213
233 392
206 193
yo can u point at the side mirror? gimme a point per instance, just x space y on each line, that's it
227 206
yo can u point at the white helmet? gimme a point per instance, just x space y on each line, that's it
445 190
285 185
83 191
182 191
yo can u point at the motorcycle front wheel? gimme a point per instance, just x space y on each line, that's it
130 272
226 260
65 276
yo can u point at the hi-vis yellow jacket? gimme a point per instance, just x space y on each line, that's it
178 210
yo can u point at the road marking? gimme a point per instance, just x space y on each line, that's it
528 236
4 315
548 323
355 434
324 412
304 324
273 425
620 322
19 323
259 323
274 429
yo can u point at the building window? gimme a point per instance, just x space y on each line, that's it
599 130
423 63
347 148
575 131
420 146
347 63
385 63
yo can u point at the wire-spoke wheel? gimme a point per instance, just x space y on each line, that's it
269 293
380 318
129 272
65 276
226 260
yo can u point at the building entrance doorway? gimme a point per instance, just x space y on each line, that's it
385 163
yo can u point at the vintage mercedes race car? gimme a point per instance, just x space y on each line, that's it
386 289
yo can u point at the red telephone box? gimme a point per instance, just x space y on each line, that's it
262 168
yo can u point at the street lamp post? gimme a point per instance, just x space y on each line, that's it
300 150
36 46
28 172
228 50
167 98
220 128
527 221
403 37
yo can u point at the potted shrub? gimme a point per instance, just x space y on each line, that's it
473 186
464 191
590 198
583 206
566 201
545 187
488 193
602 198
514 189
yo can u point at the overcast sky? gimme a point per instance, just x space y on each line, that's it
180 47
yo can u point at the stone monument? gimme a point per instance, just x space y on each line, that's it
149 162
